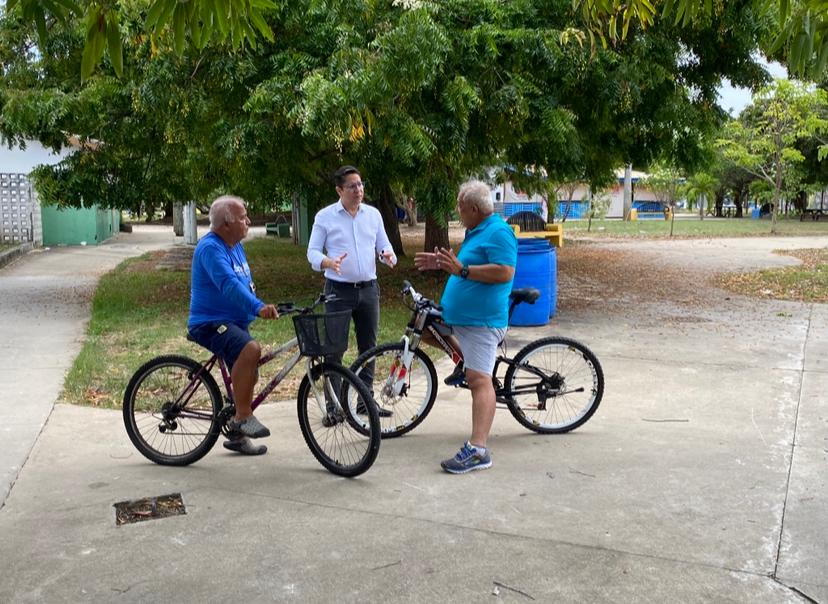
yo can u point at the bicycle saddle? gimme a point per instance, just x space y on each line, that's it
525 294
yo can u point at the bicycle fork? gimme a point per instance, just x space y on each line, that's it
400 368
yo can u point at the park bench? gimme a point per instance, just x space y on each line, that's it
813 213
529 224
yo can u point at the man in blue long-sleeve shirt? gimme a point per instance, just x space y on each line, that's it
223 303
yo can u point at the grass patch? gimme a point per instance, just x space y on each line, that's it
139 312
687 227
805 283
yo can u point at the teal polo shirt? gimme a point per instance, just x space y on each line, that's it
472 303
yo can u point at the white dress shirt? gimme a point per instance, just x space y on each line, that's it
362 237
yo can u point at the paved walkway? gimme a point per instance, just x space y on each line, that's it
701 478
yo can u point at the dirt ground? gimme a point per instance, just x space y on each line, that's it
603 277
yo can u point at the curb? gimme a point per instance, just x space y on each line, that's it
14 253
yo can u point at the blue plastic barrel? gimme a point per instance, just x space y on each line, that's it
756 213
553 281
532 270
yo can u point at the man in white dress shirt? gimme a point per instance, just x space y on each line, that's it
345 242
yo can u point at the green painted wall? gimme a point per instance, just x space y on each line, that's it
73 226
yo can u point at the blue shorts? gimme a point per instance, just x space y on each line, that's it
223 339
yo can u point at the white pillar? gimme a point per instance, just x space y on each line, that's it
190 227
627 191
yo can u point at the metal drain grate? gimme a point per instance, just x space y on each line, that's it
148 508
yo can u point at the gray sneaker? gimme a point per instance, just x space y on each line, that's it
249 426
244 446
469 458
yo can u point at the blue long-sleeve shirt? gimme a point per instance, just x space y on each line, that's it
221 287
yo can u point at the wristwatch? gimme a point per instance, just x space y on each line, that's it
464 272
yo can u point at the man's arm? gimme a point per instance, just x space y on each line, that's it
319 261
316 244
383 245
221 273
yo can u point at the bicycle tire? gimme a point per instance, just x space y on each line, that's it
330 433
573 381
413 404
180 437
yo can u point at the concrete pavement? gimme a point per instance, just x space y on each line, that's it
701 478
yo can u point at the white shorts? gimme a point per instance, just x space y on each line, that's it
479 346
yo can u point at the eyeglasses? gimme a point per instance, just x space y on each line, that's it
355 186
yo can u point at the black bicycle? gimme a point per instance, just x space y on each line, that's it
174 410
552 385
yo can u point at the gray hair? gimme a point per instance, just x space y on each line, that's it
220 213
477 193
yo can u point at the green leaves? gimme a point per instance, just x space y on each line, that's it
196 22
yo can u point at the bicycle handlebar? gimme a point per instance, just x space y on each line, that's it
286 308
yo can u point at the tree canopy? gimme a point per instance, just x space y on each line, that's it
420 95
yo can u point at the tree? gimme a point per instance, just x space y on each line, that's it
801 37
667 183
701 187
420 95
762 141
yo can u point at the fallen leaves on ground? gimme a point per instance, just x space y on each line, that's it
807 282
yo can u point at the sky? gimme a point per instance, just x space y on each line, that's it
733 100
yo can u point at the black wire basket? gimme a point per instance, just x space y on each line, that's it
322 335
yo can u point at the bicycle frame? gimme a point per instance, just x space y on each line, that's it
426 318
269 387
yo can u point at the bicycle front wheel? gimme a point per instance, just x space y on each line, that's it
170 415
554 385
405 396
344 439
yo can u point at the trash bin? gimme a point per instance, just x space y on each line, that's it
668 212
283 230
633 214
533 270
756 213
553 281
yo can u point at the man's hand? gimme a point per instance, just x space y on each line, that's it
447 261
425 261
388 258
334 263
268 311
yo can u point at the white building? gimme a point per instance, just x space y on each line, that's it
509 200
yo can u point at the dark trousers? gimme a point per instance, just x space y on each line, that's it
363 302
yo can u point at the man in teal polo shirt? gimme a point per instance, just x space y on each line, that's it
476 304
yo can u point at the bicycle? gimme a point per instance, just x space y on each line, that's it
552 385
174 411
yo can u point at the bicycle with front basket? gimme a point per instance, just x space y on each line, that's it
174 411
552 385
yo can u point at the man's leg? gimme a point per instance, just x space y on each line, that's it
483 406
347 299
366 323
244 376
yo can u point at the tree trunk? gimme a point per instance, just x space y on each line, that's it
411 211
719 204
388 210
738 201
436 235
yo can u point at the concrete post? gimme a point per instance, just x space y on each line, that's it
178 219
627 191
190 227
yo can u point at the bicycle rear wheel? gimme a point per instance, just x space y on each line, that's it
409 398
170 415
345 443
554 385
